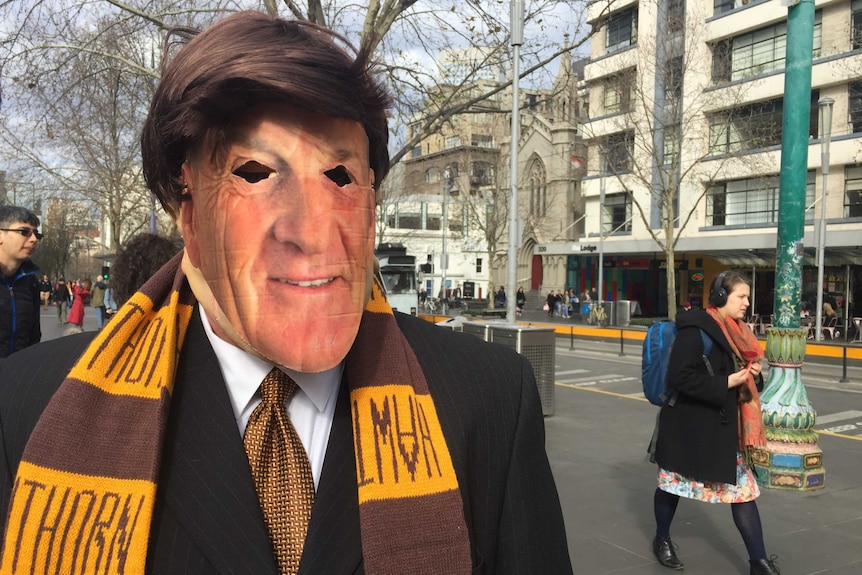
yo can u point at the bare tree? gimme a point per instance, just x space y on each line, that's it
108 52
78 94
65 225
488 214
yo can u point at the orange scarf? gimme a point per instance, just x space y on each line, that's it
745 348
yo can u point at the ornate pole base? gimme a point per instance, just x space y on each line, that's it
776 468
791 460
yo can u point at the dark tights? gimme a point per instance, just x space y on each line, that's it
747 519
665 507
745 516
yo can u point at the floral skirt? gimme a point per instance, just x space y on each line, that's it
745 490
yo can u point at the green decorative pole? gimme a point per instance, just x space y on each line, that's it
792 460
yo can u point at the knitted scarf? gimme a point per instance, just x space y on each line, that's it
745 348
83 496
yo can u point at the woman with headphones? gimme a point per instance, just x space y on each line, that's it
712 420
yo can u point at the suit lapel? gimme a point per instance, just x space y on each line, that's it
334 545
205 479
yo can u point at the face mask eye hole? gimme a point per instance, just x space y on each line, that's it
339 175
253 172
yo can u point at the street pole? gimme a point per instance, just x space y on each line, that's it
847 302
825 109
791 459
444 257
517 25
601 237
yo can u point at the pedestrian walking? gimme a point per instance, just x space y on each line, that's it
97 301
45 290
565 300
712 421
111 306
62 297
79 302
520 301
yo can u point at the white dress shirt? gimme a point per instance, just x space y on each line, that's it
311 409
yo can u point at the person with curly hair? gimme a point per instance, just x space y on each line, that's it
137 261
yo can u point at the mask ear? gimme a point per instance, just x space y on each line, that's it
186 218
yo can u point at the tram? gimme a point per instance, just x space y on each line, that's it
398 273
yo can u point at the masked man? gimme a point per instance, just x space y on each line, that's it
256 407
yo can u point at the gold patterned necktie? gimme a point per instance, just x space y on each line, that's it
281 472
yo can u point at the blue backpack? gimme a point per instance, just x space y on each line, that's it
656 353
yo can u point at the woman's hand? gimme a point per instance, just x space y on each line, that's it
738 378
756 366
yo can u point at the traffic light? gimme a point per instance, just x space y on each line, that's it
105 272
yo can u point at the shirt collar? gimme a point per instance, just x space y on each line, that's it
243 373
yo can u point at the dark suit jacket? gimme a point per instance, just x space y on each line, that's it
207 518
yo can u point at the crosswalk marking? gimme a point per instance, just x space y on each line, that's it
841 428
592 377
852 414
611 378
572 372
592 380
617 380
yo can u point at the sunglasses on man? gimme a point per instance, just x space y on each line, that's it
26 232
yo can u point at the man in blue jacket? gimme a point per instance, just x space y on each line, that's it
19 301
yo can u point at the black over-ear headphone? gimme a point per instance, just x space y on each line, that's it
717 294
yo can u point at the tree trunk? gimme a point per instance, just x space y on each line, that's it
671 282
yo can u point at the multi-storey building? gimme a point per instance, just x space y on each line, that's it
464 169
685 99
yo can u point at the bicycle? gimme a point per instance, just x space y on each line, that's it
598 314
431 305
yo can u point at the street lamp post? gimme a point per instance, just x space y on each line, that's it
517 38
791 459
825 108
601 238
448 184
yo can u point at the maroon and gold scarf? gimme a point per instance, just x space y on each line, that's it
83 495
745 348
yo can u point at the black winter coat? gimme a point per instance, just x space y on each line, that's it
698 434
19 310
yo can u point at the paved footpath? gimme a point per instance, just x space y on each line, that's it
597 442
52 330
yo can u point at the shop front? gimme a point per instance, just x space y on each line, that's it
634 270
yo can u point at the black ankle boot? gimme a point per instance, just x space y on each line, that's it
664 552
764 566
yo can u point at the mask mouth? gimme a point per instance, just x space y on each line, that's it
307 284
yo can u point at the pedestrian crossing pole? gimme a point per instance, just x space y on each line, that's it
792 459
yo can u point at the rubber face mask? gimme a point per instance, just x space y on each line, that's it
281 229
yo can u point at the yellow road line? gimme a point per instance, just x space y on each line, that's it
853 437
623 395
626 396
